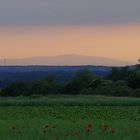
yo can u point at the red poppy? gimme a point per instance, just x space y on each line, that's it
90 126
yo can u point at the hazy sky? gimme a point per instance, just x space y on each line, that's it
108 28
68 12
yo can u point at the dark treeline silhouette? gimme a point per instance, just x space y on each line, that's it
121 81
13 74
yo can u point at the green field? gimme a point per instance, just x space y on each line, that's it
69 118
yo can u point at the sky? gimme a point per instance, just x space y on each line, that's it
107 28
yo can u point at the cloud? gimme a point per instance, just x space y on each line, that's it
68 12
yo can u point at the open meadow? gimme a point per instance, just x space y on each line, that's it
69 118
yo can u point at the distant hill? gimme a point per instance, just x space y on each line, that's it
66 60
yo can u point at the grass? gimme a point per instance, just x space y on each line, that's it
68 100
40 129
69 118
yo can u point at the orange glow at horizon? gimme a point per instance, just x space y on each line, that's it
118 41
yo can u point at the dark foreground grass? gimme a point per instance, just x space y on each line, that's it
69 121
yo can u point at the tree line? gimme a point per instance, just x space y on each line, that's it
121 81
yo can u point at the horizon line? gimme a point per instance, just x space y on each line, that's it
59 55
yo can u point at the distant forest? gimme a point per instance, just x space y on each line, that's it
63 74
118 81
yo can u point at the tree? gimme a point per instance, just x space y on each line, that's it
134 79
111 88
139 61
136 92
119 73
83 79
105 88
15 89
138 65
50 78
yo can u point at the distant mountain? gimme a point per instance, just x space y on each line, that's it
65 60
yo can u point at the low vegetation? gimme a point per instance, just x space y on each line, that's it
68 100
57 120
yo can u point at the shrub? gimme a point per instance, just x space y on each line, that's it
122 90
118 88
87 91
136 92
134 80
106 88
15 89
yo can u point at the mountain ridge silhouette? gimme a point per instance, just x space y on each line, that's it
67 59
